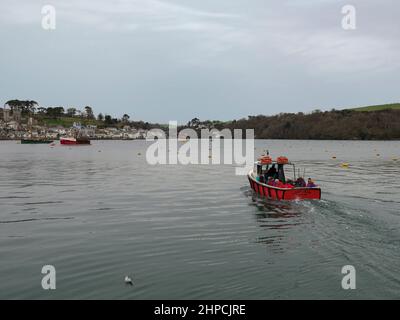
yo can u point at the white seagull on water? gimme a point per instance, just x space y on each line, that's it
128 280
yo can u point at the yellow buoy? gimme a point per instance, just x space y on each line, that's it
344 165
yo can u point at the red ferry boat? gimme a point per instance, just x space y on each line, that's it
78 136
74 141
259 175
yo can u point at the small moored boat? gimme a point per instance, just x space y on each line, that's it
285 191
36 141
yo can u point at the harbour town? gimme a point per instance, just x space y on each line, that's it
26 120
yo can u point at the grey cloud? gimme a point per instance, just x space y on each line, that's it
214 59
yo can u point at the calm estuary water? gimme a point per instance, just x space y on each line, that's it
99 213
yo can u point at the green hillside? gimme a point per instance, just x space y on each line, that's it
67 122
378 107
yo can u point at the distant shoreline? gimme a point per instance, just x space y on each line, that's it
276 139
374 123
92 139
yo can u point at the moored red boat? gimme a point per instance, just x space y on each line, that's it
74 141
284 191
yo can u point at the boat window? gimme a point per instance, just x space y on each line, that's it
259 170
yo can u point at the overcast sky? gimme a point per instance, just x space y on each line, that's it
161 60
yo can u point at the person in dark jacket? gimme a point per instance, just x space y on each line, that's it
271 172
300 183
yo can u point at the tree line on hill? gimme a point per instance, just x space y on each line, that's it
318 125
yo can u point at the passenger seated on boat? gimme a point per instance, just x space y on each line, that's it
271 181
260 178
310 183
271 172
300 183
289 184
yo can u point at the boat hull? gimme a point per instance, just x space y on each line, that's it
73 141
283 194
